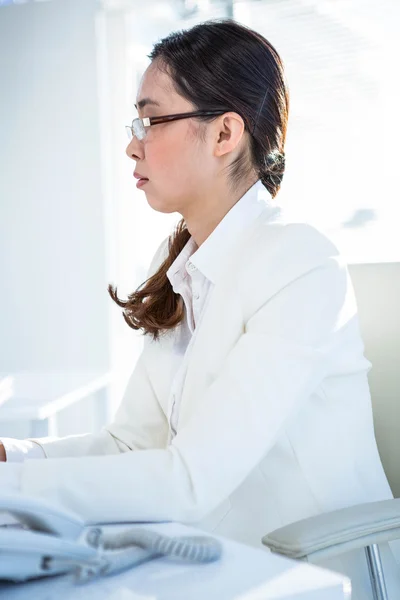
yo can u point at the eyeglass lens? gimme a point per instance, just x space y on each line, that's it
137 129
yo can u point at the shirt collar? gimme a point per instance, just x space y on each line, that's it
207 258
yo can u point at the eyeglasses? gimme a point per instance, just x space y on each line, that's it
138 127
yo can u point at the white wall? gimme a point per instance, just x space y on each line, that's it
54 303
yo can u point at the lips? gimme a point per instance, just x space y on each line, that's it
140 177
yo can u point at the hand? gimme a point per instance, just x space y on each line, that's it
3 457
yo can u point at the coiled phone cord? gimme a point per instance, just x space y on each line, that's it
119 551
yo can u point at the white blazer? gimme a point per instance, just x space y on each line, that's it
275 422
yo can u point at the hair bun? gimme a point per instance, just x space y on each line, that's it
275 161
274 168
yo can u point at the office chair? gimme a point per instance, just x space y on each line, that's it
377 289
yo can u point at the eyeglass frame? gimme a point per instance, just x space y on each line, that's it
148 121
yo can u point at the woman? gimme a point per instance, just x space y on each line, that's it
249 407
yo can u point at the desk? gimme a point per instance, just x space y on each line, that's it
38 397
243 573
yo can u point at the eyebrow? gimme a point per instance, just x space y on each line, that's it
142 103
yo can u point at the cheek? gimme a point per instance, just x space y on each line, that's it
172 157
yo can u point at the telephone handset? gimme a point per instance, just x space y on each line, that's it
43 540
40 540
42 516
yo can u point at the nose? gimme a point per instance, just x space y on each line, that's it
134 149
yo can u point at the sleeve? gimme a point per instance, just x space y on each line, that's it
277 362
119 436
20 450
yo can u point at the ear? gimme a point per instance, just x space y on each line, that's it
228 134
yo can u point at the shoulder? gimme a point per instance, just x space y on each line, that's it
280 253
286 237
288 247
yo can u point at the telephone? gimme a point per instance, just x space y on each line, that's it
39 539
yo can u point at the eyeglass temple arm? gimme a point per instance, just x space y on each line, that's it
198 113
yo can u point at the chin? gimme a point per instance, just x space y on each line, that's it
160 205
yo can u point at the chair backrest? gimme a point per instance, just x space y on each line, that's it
377 289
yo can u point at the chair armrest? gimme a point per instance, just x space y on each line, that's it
329 534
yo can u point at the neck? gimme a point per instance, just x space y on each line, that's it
203 216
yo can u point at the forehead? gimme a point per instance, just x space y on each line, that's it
157 86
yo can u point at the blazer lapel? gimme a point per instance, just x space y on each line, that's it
219 329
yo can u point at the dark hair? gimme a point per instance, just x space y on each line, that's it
222 65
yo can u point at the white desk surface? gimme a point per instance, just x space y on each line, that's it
40 395
243 573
